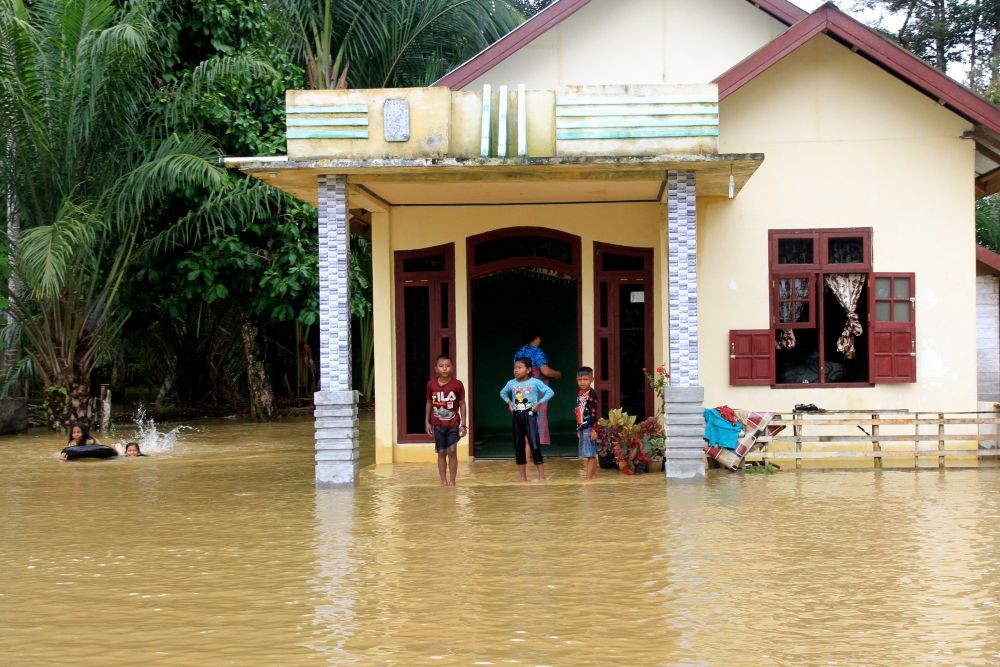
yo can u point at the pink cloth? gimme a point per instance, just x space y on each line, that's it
543 410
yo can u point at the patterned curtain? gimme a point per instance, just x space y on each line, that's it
847 288
785 340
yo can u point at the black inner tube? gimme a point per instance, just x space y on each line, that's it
89 452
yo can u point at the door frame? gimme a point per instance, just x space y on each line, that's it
400 279
613 384
573 270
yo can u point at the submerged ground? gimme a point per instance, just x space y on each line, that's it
221 552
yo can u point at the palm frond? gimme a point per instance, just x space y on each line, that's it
46 255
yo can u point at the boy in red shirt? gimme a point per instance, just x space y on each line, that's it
444 417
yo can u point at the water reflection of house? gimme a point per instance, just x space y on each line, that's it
647 181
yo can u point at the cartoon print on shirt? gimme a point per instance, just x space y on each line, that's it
444 405
522 398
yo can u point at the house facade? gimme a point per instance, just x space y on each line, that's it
776 205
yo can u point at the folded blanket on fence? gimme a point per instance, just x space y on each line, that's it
755 425
718 430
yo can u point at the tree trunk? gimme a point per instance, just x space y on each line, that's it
68 402
939 35
261 397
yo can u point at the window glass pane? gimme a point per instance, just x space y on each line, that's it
902 288
795 251
801 311
614 262
446 347
801 288
523 245
900 311
846 251
604 305
444 305
424 264
883 288
604 358
882 311
416 342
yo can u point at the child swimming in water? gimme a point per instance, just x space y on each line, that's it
132 449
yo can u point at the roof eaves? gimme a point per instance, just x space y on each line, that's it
876 48
988 257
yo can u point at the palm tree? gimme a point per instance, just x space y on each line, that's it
92 149
395 43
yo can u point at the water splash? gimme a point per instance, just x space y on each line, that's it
150 440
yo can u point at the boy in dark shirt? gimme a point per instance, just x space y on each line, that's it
444 417
586 419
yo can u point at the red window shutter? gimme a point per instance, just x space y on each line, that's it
893 346
751 357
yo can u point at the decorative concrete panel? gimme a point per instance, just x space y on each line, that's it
396 120
682 275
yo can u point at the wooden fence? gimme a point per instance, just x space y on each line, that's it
891 436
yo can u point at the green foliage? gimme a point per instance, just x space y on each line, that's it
92 147
988 222
394 43
948 34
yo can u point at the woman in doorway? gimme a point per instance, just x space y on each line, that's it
532 340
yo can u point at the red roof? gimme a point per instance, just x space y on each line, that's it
988 257
876 48
552 16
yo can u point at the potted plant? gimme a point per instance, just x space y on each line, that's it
610 432
620 436
653 442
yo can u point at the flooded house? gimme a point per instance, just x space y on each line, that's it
762 199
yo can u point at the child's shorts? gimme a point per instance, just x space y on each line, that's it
444 437
587 447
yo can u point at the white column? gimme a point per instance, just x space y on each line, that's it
336 402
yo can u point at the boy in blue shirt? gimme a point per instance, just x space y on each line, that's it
523 396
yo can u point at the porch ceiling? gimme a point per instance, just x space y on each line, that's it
491 181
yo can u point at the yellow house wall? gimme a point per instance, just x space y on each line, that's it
638 225
639 42
846 145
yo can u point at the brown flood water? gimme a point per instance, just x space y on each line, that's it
221 552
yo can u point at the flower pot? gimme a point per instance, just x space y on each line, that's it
655 465
640 468
607 462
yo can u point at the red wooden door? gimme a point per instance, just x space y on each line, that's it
623 327
425 320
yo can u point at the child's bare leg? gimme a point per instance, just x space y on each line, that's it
522 471
540 467
591 467
452 463
443 467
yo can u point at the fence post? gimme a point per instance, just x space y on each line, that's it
876 443
916 442
941 439
797 432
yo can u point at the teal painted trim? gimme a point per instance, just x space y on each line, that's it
326 134
624 122
633 111
325 122
567 135
678 99
339 108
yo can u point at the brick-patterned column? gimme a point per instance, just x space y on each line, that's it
336 402
682 272
685 458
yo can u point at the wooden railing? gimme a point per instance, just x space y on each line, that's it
883 436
